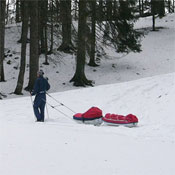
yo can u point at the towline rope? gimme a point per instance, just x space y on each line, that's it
60 102
56 109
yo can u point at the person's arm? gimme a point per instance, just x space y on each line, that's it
48 86
36 88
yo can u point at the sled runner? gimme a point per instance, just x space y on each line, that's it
92 116
129 120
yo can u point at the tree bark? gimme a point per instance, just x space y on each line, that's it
43 8
43 28
51 28
18 11
46 46
161 9
34 44
169 6
2 38
65 15
100 11
79 77
25 20
109 10
7 11
153 11
93 35
140 8
75 9
143 7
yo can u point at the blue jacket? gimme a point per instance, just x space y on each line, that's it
41 86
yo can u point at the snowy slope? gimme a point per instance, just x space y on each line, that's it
61 146
157 57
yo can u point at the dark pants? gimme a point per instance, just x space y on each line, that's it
39 106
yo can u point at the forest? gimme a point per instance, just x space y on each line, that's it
85 25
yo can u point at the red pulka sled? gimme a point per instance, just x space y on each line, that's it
94 116
129 120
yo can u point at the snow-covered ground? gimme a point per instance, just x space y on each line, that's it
61 146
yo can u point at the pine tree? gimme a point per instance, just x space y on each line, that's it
119 32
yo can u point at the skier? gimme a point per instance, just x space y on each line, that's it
40 87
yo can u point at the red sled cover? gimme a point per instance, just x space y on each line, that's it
92 114
120 119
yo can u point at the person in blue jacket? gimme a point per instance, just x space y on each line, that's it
40 87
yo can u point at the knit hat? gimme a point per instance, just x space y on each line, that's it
40 73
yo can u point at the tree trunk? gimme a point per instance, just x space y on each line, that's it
109 10
51 28
143 7
93 35
115 10
153 11
153 19
161 8
25 20
46 46
2 38
65 15
18 11
169 6
7 11
79 77
43 8
140 8
34 44
100 11
75 9
44 12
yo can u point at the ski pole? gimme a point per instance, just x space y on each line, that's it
32 102
47 111
60 102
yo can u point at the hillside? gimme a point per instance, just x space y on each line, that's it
157 57
61 146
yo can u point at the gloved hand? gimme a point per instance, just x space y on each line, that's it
31 93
